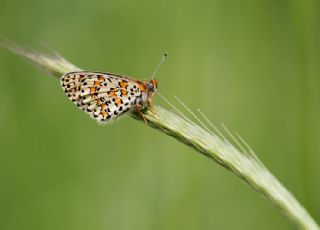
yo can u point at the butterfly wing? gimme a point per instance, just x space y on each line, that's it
103 96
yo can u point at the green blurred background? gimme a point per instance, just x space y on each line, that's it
253 65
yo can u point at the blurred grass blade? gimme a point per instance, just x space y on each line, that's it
244 164
55 64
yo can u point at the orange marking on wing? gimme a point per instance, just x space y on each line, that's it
112 93
118 101
92 90
142 86
99 102
96 83
104 114
124 92
103 107
100 78
123 85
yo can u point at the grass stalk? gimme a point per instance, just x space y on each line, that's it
240 160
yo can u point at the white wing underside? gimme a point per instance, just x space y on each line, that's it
103 96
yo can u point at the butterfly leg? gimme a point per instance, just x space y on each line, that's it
139 108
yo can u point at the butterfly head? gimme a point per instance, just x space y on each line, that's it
152 85
148 88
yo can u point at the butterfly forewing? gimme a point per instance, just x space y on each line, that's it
103 96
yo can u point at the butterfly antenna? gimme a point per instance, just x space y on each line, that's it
158 67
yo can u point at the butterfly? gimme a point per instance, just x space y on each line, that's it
106 96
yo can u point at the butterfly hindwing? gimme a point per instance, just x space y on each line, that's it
103 96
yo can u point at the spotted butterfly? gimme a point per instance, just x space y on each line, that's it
106 96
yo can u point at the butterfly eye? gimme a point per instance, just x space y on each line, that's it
150 86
